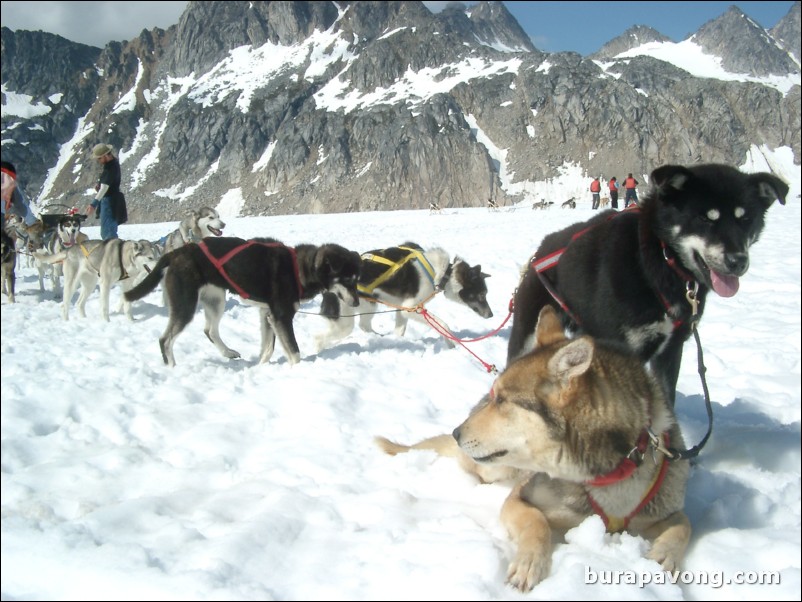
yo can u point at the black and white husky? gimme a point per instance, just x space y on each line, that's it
641 276
66 234
404 277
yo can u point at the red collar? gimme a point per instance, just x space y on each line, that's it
627 466
624 471
672 263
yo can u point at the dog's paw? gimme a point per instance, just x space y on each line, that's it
665 557
231 354
321 343
668 548
527 570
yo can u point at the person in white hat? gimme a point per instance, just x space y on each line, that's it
107 187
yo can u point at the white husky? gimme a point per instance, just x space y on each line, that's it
116 261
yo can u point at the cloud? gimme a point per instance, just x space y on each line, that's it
92 23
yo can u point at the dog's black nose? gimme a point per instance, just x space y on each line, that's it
456 434
737 263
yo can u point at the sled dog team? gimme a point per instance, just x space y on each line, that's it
572 417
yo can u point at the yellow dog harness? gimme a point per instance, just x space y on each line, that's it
393 267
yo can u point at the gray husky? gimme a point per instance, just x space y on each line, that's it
111 262
199 224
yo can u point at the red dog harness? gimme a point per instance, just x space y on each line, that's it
552 259
624 471
221 262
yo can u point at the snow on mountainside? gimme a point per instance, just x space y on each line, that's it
305 107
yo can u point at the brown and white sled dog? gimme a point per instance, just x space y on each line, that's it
262 271
583 429
111 262
405 276
198 225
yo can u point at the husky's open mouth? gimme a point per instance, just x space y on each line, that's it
725 285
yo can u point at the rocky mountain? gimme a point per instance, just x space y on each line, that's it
755 53
305 107
786 32
631 38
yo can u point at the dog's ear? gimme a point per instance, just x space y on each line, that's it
549 328
769 187
478 269
327 263
571 361
670 176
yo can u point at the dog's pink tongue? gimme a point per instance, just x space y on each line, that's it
725 286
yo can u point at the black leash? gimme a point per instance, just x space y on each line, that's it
686 454
361 313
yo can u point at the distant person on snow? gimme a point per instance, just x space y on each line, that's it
613 185
595 189
631 195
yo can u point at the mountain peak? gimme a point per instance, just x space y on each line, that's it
743 45
632 38
496 27
787 31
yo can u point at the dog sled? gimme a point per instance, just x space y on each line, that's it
50 221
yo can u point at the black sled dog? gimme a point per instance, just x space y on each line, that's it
639 276
263 271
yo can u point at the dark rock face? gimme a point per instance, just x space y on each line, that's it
305 107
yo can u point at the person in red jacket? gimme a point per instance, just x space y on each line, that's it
613 185
595 189
631 195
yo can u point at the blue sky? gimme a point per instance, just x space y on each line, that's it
583 27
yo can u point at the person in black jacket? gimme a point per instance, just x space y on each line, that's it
107 188
613 185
